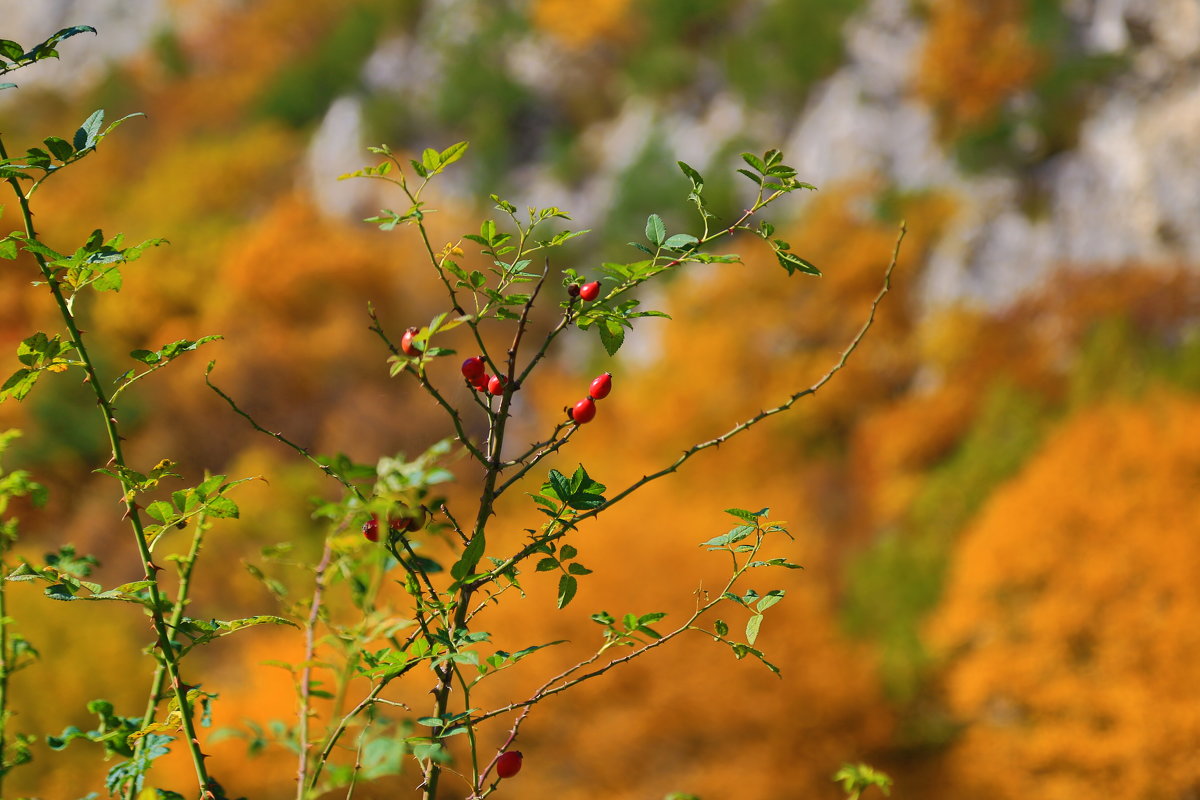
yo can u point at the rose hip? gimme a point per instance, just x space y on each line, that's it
601 386
496 384
370 529
407 346
583 411
473 367
589 291
509 763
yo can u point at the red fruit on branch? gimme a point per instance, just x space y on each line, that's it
473 367
407 346
480 382
509 763
601 386
496 384
589 291
583 411
370 529
413 523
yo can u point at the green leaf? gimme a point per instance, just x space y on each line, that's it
60 148
749 516
469 558
546 564
751 176
755 162
680 240
736 535
221 507
567 585
89 131
792 262
721 627
11 50
8 249
692 175
752 626
656 231
452 153
612 335
769 599
578 569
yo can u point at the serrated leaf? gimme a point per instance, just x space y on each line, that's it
755 162
769 599
567 586
612 335
680 241
792 262
656 231
546 564
88 132
734 536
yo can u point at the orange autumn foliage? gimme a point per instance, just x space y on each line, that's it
1068 622
579 25
977 56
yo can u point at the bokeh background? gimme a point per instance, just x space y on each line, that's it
996 502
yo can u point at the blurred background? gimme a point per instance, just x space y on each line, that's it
996 502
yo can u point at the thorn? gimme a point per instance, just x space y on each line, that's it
87 379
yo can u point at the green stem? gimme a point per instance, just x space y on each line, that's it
160 671
4 667
132 510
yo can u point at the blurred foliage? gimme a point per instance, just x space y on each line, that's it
1008 80
995 505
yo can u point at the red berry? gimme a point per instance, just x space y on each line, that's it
473 367
509 763
573 290
407 346
583 411
601 386
370 529
496 384
480 382
590 291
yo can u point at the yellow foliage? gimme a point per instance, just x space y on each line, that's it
1069 617
977 56
579 25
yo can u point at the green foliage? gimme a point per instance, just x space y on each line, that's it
786 49
857 778
301 93
895 583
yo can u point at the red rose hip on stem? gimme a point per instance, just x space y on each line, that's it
509 763
480 382
406 342
370 529
590 291
583 411
473 367
496 384
601 386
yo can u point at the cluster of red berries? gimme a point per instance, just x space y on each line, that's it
587 292
585 409
397 526
474 369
